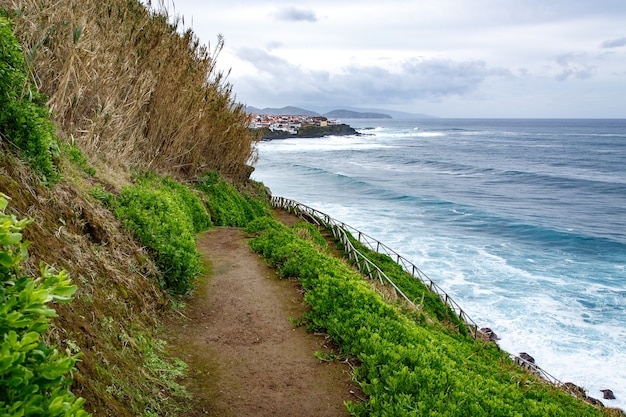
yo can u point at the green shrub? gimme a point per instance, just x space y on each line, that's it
307 231
406 369
24 119
413 288
191 204
227 206
165 217
106 198
76 156
33 376
263 224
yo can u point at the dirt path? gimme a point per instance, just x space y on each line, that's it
246 358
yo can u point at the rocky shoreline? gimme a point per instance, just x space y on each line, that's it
310 131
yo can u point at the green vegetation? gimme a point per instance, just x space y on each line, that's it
155 390
227 206
24 119
75 155
165 216
414 290
406 369
134 91
311 131
33 377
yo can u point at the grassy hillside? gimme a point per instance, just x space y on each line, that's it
132 86
92 95
119 142
411 362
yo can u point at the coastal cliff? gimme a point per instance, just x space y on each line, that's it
116 200
310 131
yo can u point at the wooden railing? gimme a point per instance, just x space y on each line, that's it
368 268
340 232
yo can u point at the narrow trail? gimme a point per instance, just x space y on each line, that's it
246 357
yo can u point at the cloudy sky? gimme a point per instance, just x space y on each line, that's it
447 58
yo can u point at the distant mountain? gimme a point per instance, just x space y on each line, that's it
351 114
288 110
394 114
319 110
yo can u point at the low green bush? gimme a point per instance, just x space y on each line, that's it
76 156
191 203
34 377
226 205
310 232
406 369
165 217
413 288
24 118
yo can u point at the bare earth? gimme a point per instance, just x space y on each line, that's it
246 357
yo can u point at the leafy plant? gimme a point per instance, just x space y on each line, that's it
191 203
24 118
33 376
165 216
227 206
103 196
76 156
407 369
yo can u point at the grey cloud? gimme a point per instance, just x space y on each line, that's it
615 43
357 85
578 73
572 69
415 79
294 14
274 45
279 76
265 62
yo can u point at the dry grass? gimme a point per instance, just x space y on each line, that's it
133 90
130 84
118 294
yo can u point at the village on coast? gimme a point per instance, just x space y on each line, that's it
288 123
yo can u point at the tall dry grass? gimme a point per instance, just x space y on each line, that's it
131 84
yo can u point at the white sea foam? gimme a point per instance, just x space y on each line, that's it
330 143
564 308
430 134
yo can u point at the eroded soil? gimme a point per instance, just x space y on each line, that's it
246 357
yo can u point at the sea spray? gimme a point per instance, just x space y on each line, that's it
521 221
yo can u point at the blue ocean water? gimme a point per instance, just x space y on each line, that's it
523 222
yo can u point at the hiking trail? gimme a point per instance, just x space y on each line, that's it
246 358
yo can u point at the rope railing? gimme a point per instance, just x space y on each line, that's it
415 272
340 232
364 265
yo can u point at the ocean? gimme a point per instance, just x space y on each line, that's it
522 222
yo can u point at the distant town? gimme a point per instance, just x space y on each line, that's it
288 123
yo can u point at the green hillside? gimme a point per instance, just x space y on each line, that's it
119 143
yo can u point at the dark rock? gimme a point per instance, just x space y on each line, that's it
527 357
575 389
607 394
525 361
594 401
489 333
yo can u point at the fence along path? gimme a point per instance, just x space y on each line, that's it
367 267
340 231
